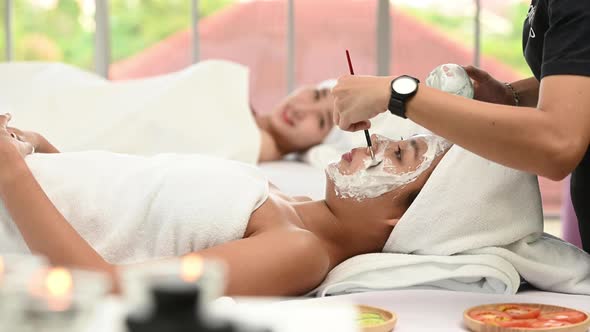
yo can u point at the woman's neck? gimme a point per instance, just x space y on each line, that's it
345 237
262 121
272 138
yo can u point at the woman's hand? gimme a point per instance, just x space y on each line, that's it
489 89
35 139
358 99
9 140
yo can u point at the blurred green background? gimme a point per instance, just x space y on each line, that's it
63 30
503 41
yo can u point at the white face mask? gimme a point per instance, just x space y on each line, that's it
370 182
451 78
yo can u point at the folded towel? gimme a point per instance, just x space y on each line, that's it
132 209
473 224
466 273
201 109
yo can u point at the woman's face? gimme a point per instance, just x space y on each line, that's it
400 163
303 119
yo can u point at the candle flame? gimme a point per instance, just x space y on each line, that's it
58 282
191 267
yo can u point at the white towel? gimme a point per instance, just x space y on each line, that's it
379 271
469 210
133 209
201 109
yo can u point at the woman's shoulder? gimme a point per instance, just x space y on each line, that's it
303 246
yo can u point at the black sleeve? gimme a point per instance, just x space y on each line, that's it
567 41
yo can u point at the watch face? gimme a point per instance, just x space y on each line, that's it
404 85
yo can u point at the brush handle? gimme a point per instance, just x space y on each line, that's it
349 63
367 136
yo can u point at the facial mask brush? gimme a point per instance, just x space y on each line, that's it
374 162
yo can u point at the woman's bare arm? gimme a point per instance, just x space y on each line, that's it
549 140
275 263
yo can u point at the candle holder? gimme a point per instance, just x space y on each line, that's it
15 271
183 273
170 294
52 299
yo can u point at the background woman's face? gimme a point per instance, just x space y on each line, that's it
304 118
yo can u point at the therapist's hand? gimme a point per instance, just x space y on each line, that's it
489 89
357 99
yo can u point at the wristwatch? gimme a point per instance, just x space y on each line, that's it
402 89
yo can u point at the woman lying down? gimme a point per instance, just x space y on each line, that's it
100 210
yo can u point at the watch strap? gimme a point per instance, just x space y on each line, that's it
396 106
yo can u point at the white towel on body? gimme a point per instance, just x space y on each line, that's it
132 208
474 224
201 109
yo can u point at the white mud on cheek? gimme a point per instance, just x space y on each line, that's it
376 181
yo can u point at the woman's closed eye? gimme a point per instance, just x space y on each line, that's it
398 153
316 95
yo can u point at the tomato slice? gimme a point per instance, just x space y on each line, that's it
550 323
520 311
492 317
570 316
526 323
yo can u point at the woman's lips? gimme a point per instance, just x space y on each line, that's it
347 156
286 117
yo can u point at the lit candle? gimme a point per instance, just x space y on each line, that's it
58 284
38 298
191 268
51 292
190 273
49 303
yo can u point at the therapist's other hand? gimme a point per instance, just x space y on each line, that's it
9 140
489 89
357 99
